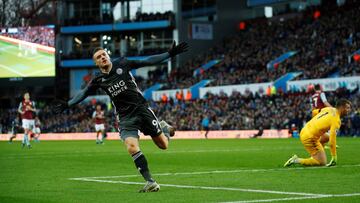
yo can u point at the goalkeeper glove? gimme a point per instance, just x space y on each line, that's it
178 49
59 106
332 162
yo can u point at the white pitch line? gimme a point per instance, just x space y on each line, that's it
296 198
201 187
17 50
229 171
163 152
12 70
221 150
93 153
278 199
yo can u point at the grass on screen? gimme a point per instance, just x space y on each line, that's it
228 170
14 63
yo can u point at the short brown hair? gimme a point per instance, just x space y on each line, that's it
342 102
96 50
317 87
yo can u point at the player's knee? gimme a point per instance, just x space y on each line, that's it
322 163
163 145
132 148
324 139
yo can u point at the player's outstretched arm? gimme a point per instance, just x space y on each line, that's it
178 49
324 100
59 105
155 59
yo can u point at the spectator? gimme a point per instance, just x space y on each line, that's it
164 98
188 96
205 122
179 95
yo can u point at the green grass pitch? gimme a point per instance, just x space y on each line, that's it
14 65
189 171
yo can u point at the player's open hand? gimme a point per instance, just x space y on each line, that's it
178 49
332 162
59 106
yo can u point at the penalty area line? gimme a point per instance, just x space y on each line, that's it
12 70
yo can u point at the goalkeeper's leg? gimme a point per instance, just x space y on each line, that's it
315 149
318 159
324 139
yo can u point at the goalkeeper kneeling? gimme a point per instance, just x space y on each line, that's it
327 119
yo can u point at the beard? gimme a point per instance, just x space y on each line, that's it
105 68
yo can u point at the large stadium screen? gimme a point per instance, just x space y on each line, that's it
27 52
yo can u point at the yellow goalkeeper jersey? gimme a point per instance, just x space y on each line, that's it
327 120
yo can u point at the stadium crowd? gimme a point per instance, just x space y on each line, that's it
225 112
77 119
251 111
38 34
323 47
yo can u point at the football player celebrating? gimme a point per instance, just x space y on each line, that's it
133 111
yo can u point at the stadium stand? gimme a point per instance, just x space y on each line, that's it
226 112
36 34
323 47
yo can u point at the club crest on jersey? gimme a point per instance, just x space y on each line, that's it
154 122
119 71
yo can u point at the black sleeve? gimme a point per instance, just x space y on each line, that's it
90 88
151 60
